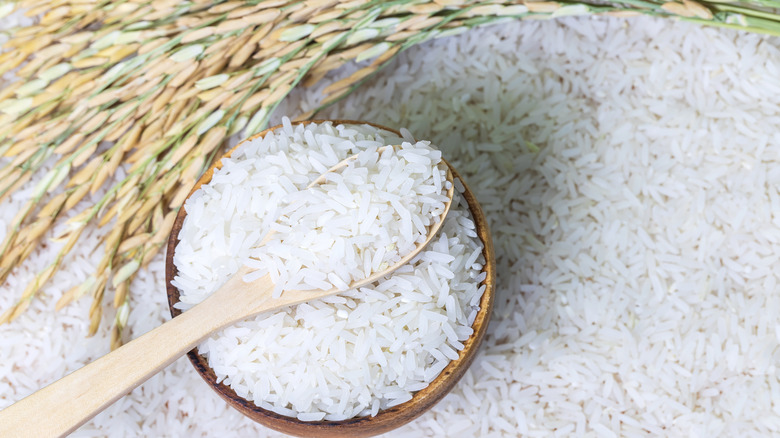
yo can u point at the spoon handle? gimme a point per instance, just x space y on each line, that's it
66 404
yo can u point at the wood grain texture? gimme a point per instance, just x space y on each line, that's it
388 419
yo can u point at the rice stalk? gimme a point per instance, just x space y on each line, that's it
164 82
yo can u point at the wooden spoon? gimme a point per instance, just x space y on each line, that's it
66 404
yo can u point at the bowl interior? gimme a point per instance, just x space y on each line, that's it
387 419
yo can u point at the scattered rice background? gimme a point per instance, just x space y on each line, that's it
629 170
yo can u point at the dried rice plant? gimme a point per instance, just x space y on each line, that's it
160 85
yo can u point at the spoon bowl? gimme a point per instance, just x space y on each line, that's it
387 419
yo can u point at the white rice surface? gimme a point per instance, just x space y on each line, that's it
360 221
270 211
637 247
363 350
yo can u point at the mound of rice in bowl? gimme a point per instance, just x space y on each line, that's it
342 356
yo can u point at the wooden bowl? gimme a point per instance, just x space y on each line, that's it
387 419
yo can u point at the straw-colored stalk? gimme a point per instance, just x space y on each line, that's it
165 82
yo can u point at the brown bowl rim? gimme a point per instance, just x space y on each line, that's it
387 419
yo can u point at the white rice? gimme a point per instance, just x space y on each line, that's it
333 358
361 220
637 249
